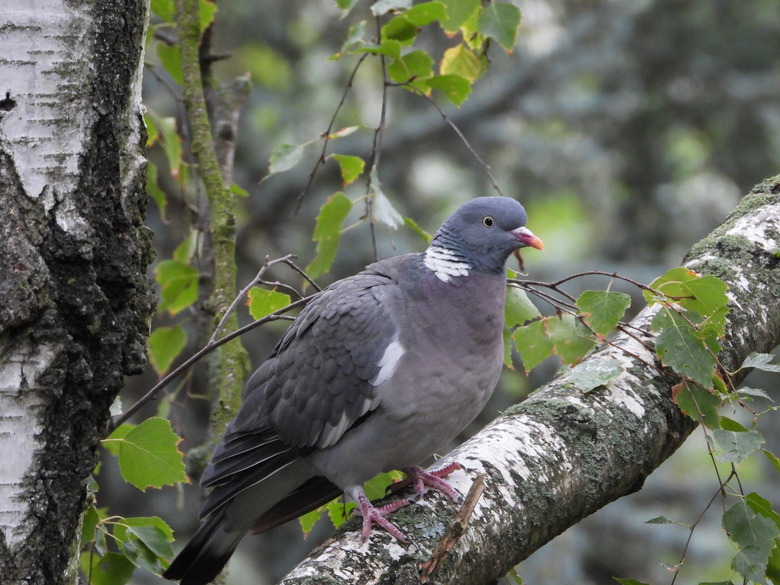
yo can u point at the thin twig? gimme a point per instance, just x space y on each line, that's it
454 532
326 135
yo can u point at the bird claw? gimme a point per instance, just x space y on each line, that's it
420 479
371 514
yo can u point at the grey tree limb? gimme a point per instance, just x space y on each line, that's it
563 454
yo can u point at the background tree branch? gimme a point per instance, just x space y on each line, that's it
563 454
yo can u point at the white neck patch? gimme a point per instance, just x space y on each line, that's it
445 263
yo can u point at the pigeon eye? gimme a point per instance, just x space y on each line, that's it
487 221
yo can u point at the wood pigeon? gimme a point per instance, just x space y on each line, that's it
376 373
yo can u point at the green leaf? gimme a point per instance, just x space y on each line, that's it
412 225
603 309
533 343
508 345
592 374
681 348
698 404
328 232
346 5
179 283
400 29
761 361
238 190
351 166
165 9
733 447
146 542
425 13
660 520
462 61
171 144
91 519
388 47
754 536
263 302
774 459
170 58
570 338
165 345
628 581
384 6
500 21
458 12
208 11
417 65
109 569
153 189
519 308
454 87
762 506
284 157
187 248
148 454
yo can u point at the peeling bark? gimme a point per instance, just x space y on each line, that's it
562 454
75 296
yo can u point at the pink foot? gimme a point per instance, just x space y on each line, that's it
373 514
420 479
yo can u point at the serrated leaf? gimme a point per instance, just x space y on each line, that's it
681 348
533 343
458 12
763 507
594 373
698 404
384 6
500 21
425 13
170 58
417 65
148 454
351 166
761 361
462 61
284 157
519 308
109 569
754 536
165 345
179 284
412 225
454 87
571 340
263 302
733 447
328 232
603 309
145 541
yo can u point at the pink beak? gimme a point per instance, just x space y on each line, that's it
527 237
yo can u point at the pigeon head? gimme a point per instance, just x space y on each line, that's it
480 235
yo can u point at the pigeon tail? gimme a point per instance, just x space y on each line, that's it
207 553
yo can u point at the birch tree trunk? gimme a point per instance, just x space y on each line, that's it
563 454
74 296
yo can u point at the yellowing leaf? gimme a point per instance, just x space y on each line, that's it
148 454
328 232
460 60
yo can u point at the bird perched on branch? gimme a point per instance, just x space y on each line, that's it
379 370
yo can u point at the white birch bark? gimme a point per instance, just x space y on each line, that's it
71 190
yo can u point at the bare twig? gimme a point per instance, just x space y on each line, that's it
454 531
